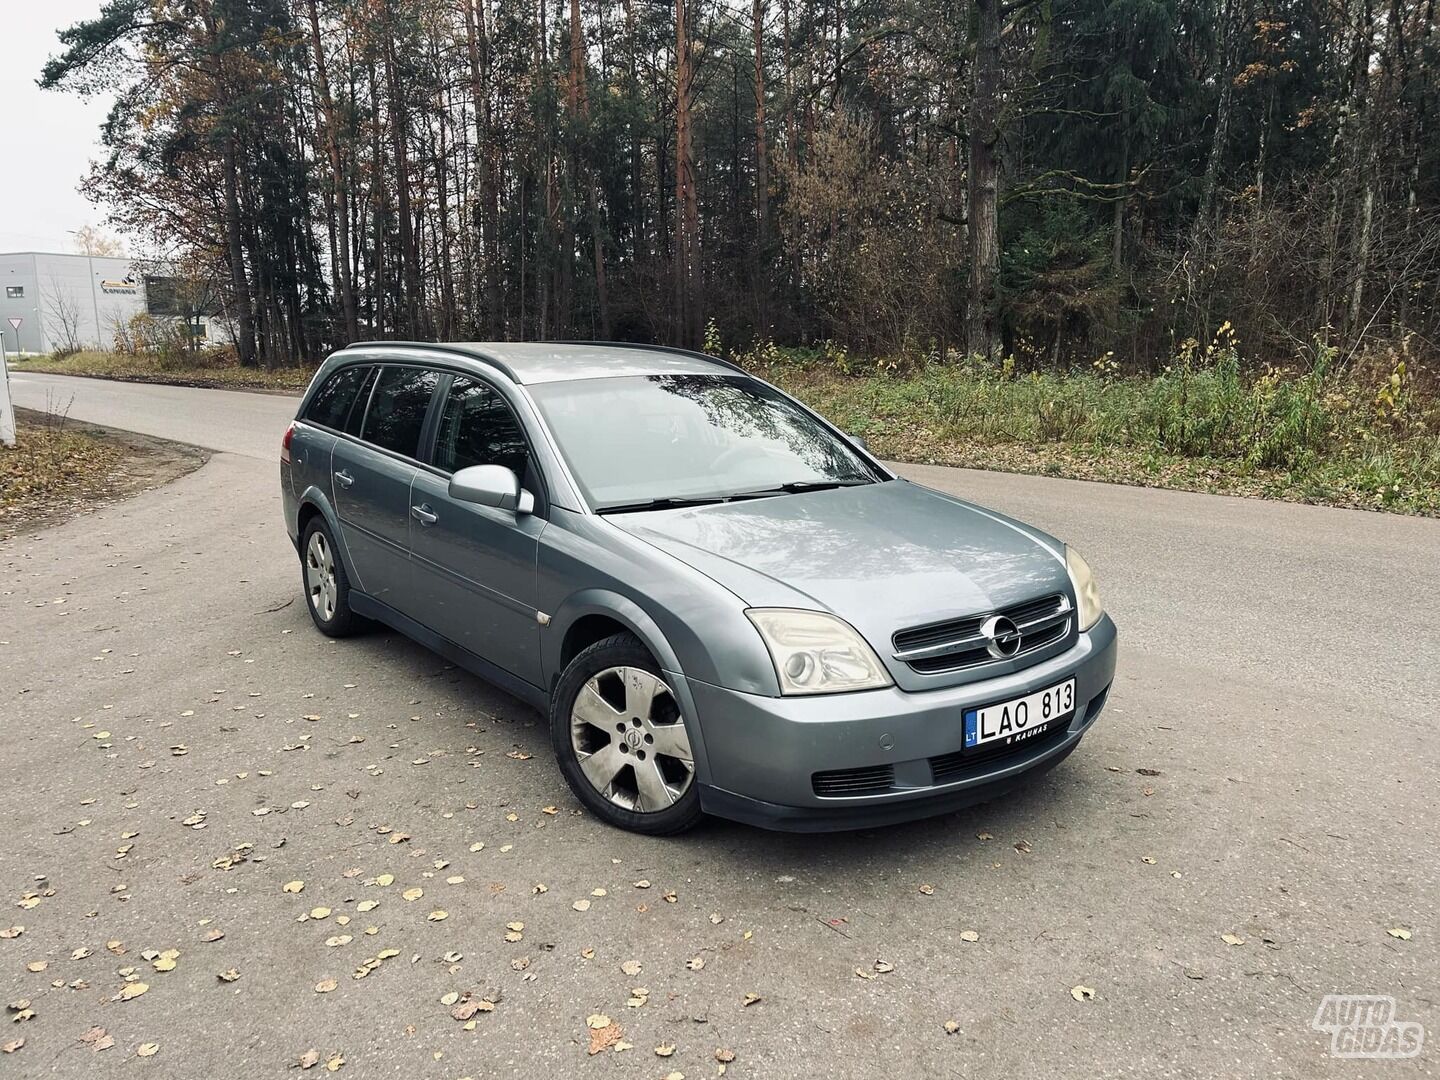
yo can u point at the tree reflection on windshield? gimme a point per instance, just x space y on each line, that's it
633 439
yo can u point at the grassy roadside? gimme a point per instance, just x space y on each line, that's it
59 468
51 465
1298 437
1313 435
217 371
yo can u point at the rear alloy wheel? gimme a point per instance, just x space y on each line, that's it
327 588
621 739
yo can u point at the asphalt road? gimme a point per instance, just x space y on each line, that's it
164 702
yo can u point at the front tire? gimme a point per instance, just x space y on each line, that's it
620 739
327 587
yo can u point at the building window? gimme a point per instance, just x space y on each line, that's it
14 292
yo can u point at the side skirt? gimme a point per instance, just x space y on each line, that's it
371 608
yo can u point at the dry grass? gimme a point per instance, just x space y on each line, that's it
215 369
51 466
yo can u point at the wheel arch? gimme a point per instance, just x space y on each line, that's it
594 614
591 611
313 503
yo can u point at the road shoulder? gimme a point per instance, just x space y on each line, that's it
63 468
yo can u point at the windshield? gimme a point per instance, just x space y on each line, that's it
641 439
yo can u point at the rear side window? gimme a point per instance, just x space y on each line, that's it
478 428
332 402
362 399
397 409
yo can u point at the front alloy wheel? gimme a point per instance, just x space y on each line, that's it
621 739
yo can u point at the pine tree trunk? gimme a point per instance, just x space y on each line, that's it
762 156
687 212
338 180
982 314
477 42
239 288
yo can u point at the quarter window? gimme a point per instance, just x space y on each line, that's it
14 292
332 403
478 428
397 409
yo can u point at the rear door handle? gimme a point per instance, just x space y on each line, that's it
345 478
424 514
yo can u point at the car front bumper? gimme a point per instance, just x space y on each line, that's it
763 752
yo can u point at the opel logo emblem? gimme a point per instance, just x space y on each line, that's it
634 738
1002 637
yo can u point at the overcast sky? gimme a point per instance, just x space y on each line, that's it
47 138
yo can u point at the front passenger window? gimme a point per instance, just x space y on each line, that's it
478 428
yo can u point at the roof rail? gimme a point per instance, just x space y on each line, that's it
456 349
656 348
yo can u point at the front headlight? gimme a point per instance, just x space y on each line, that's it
815 653
1087 593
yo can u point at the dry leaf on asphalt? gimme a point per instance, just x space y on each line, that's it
695 963
750 999
147 1049
1399 932
97 1038
13 1045
581 905
292 886
1232 939
602 1036
664 1050
631 967
229 975
1082 993
309 1059
131 990
969 935
952 1026
324 986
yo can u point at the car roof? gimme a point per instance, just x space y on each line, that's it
530 362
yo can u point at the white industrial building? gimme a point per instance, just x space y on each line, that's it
84 297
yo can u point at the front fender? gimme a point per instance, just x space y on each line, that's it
632 616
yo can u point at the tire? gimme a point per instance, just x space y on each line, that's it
325 583
642 747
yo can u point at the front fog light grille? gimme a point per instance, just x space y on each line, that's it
839 783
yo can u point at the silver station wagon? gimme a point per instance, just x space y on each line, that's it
723 604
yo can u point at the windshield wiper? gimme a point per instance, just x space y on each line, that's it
667 503
795 487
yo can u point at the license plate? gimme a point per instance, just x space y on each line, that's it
1023 718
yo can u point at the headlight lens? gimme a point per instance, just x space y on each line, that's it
1087 593
815 653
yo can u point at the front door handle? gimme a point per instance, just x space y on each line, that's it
344 477
424 514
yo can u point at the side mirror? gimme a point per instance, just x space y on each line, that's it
491 485
859 440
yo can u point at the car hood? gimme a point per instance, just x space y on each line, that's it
881 556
